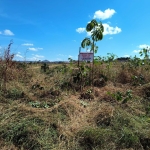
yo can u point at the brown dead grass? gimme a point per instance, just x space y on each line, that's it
71 114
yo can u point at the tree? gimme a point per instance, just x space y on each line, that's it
96 30
145 52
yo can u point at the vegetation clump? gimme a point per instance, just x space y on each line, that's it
44 67
101 106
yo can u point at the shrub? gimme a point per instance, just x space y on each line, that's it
6 66
44 67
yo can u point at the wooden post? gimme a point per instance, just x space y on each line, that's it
93 66
79 55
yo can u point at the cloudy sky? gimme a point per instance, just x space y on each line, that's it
53 30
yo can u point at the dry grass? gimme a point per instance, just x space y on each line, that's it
37 113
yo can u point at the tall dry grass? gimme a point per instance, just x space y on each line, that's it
50 110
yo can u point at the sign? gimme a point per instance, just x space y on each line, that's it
86 56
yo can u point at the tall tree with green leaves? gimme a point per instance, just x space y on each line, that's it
96 30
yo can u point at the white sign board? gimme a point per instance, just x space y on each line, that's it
86 56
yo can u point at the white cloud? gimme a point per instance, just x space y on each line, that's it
141 47
38 56
136 51
34 49
144 46
35 57
108 30
18 55
7 32
108 13
39 48
27 44
111 30
89 33
0 32
80 30
126 56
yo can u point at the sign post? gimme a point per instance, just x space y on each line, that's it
78 55
86 56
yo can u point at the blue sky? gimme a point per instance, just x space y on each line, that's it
53 30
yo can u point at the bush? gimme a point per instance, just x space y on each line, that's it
44 67
6 67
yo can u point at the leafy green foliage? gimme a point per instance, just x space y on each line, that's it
145 52
123 97
39 104
90 26
97 33
138 80
96 30
86 42
44 67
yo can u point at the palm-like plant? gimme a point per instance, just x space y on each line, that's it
96 30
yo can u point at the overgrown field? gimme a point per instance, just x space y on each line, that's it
105 106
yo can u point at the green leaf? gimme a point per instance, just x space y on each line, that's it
90 26
86 42
97 35
101 27
94 22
